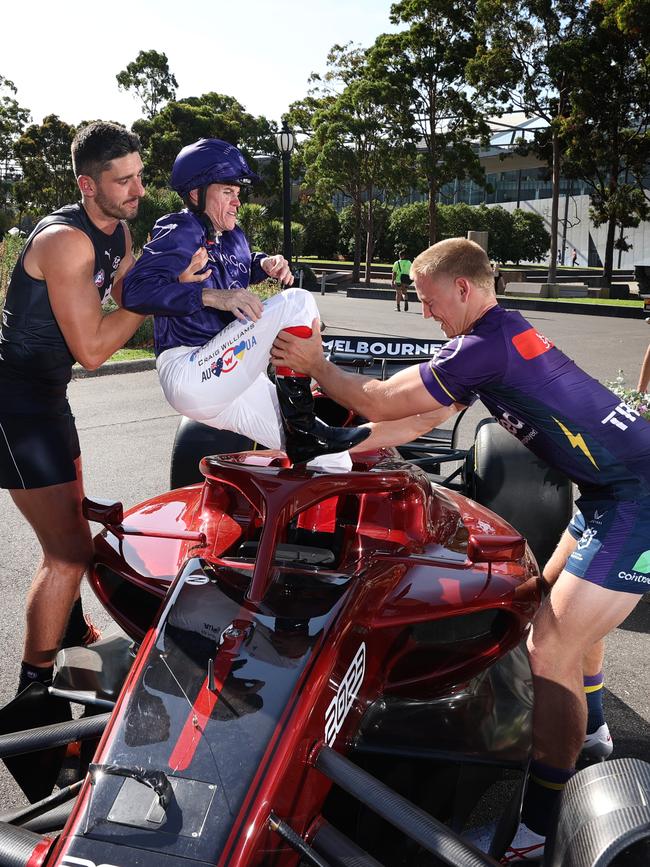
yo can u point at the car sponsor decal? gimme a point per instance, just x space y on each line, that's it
339 707
422 349
531 344
71 861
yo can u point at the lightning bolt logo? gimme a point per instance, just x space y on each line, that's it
577 441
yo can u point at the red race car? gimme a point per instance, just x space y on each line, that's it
318 668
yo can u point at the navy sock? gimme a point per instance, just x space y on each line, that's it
545 784
34 674
594 693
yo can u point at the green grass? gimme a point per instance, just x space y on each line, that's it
131 354
607 302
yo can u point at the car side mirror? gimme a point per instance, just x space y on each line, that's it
106 512
492 549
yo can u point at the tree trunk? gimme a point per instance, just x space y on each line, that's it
555 207
608 261
356 268
433 212
369 240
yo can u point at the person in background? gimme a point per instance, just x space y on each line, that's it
400 280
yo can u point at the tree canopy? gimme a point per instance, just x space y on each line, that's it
149 77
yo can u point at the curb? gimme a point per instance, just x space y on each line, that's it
135 366
522 304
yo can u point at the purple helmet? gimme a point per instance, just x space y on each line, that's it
210 161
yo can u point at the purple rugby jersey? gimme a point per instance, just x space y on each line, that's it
152 286
553 407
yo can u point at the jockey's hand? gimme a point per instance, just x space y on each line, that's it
240 302
278 268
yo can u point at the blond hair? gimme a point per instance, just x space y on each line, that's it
455 257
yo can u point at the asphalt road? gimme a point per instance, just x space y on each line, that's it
126 431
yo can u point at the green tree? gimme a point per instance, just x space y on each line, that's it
154 205
43 152
409 228
530 239
322 227
353 149
525 58
424 65
606 133
13 119
251 218
212 115
150 79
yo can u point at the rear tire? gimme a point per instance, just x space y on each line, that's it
509 479
194 441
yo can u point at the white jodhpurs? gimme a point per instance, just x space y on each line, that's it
224 383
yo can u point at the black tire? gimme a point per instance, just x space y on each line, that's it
509 479
194 441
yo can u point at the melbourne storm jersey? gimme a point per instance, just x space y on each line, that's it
35 362
152 286
553 407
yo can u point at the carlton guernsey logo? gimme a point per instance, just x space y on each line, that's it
229 360
99 278
531 344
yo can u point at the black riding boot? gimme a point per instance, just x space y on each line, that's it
307 437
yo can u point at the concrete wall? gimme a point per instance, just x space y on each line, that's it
579 226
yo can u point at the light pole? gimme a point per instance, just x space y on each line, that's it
285 140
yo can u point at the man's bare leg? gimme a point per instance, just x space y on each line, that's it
592 663
54 514
575 616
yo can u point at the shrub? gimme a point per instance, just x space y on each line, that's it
10 248
154 205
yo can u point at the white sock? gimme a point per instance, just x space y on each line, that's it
341 462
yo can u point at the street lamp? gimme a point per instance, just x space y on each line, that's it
285 140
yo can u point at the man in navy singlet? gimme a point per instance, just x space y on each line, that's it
566 418
73 260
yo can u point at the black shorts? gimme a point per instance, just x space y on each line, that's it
38 450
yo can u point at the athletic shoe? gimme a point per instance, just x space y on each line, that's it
598 745
526 844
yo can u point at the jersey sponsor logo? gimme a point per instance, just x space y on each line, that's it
531 344
524 432
634 576
99 278
229 360
643 563
620 414
577 441
339 707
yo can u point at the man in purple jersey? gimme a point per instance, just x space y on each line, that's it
566 418
212 335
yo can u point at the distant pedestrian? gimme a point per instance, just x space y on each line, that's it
401 280
499 282
574 257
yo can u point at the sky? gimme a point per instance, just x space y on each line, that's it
63 57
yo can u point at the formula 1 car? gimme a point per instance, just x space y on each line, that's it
316 668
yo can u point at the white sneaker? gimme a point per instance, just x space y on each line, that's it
526 844
598 746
